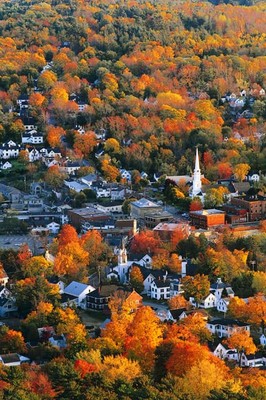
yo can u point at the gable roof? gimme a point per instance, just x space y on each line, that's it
177 312
75 288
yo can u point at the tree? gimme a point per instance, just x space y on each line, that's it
241 171
119 366
55 135
136 279
259 282
85 143
29 292
197 287
54 177
35 266
110 172
215 197
242 342
11 341
195 204
145 242
144 335
68 234
177 301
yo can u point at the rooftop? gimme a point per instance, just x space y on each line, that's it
211 211
144 203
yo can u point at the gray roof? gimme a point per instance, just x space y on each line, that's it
75 288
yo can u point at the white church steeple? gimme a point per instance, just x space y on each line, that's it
196 187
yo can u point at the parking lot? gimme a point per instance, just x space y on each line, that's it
15 241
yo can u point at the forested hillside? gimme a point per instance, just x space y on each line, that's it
154 75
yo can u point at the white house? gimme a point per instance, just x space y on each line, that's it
125 174
160 289
13 359
176 315
253 177
31 137
33 154
9 150
222 304
70 167
253 360
263 340
7 306
76 186
6 165
208 302
89 179
77 292
226 327
219 288
53 228
110 207
222 351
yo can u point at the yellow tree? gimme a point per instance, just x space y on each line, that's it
144 335
119 366
241 170
110 172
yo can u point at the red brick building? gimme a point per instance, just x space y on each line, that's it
207 218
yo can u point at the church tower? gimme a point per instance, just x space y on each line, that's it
196 187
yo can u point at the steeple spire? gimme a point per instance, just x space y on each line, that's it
196 188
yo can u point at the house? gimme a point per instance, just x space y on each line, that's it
76 292
9 150
253 177
207 302
31 137
70 167
167 230
13 359
110 206
23 101
257 359
99 298
54 279
7 306
149 276
226 327
177 314
74 185
125 174
53 227
222 351
5 166
263 340
219 288
33 154
122 269
160 289
89 179
222 304
58 341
